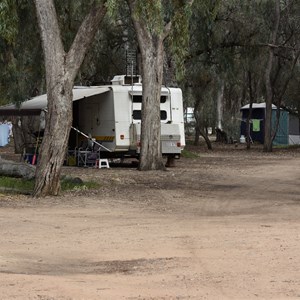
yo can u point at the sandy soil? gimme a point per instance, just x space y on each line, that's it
224 225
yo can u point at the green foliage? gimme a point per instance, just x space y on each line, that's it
179 37
189 154
21 66
287 147
22 186
70 15
8 21
69 184
204 93
212 41
113 7
228 42
16 184
231 125
151 12
106 58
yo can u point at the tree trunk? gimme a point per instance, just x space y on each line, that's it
24 129
54 145
204 134
152 50
269 89
220 106
268 117
151 31
197 135
248 130
151 156
18 137
280 95
61 69
207 140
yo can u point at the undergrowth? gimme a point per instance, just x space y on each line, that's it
23 186
189 154
286 146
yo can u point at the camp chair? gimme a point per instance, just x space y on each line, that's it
87 156
93 156
81 153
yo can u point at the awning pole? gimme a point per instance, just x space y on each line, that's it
89 138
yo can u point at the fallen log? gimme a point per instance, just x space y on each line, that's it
16 169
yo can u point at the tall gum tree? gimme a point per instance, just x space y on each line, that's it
269 91
151 29
61 70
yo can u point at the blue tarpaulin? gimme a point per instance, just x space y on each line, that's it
4 134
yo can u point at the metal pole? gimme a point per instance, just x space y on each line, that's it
85 135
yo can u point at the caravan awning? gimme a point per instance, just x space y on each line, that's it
36 104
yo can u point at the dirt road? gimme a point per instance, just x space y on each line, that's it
224 225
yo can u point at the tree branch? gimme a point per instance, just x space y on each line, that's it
138 25
168 26
50 34
271 45
84 37
166 30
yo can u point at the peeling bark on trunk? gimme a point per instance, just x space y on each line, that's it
151 156
151 31
53 149
61 70
152 51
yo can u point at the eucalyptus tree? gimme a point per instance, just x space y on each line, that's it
204 106
21 64
242 40
283 50
269 90
106 55
61 69
154 21
218 33
292 95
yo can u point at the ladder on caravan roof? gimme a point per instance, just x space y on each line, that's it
131 62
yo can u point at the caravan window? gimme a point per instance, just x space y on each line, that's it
138 99
137 115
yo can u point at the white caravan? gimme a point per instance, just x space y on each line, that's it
113 118
111 114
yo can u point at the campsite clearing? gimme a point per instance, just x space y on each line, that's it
223 225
